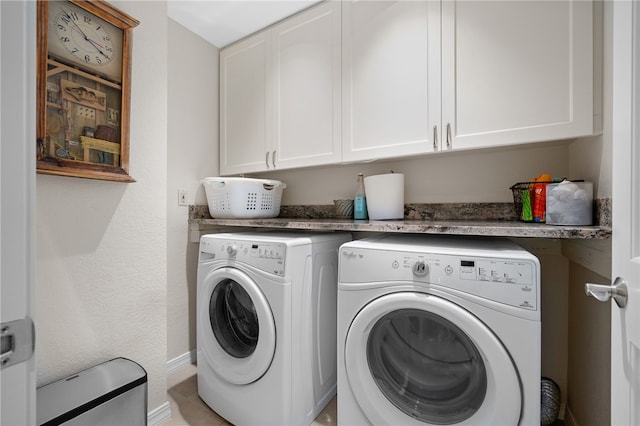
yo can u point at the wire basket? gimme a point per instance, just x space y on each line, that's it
243 198
529 200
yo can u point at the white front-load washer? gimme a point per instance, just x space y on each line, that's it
266 325
438 330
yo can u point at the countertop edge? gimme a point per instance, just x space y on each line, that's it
476 228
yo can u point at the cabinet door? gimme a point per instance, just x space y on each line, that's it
306 82
391 78
245 111
516 71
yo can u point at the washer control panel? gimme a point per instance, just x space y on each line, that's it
514 282
495 270
266 256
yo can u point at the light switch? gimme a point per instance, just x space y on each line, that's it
182 197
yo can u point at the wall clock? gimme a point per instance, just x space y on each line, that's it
83 89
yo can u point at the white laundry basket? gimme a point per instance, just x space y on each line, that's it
243 198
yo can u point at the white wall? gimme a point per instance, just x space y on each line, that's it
466 176
591 161
192 155
101 286
591 158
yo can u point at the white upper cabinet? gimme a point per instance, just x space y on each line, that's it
306 83
516 72
280 95
245 105
390 78
365 80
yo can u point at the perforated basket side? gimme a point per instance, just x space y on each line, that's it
253 200
516 190
219 201
268 202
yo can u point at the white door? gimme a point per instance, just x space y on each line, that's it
306 88
625 322
17 192
390 78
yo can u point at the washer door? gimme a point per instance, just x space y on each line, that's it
416 359
238 329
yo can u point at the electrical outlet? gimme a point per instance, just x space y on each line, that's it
182 197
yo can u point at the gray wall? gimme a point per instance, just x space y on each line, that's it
589 370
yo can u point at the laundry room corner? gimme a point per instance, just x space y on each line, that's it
554 296
192 155
589 352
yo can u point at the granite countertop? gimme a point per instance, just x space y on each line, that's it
480 219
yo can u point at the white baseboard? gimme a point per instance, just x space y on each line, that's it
181 361
163 412
159 415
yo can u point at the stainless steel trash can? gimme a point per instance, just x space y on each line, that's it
113 393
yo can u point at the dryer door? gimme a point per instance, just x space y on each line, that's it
416 359
237 330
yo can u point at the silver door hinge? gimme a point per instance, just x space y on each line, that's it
17 342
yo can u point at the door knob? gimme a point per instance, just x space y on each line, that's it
604 292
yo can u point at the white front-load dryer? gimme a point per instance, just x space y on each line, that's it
438 331
266 325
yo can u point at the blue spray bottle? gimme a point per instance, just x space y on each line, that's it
360 200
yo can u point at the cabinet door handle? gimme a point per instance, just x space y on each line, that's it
435 138
273 159
448 135
266 159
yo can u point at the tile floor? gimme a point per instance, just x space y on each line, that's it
187 409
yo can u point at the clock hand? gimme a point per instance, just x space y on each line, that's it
74 23
96 45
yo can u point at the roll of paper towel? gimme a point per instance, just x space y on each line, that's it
385 196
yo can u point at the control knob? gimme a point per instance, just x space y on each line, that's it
421 268
232 249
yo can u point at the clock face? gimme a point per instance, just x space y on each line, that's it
85 39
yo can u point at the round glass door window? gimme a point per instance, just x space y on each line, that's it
233 319
426 366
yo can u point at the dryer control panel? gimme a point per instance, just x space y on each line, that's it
510 281
265 256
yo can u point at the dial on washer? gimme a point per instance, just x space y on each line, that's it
421 268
